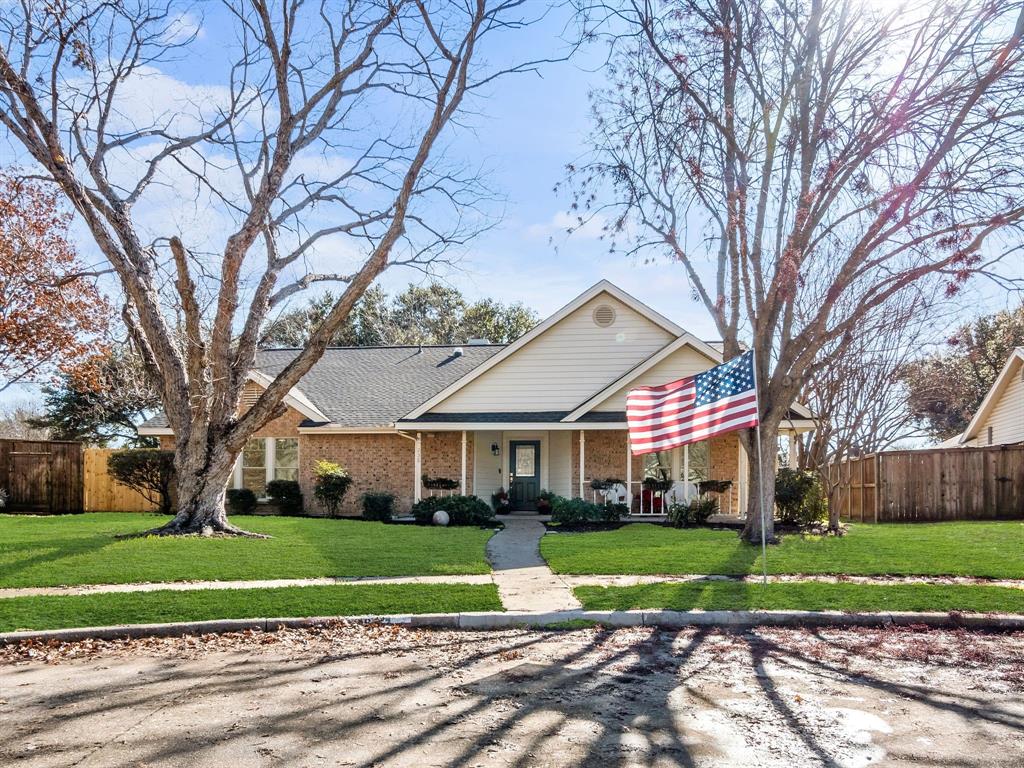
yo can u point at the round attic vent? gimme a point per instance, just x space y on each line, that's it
604 315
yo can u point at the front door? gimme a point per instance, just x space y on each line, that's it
524 474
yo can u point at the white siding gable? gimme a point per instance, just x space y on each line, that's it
685 361
565 365
1007 415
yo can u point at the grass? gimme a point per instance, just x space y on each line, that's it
804 596
111 608
83 549
983 549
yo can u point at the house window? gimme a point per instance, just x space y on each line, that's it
658 465
254 466
286 458
990 435
264 459
700 461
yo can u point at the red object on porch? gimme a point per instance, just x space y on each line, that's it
649 503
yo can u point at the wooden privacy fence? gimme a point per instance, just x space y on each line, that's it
103 493
41 477
930 485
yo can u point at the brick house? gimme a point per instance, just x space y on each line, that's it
544 412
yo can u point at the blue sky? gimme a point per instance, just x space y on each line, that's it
525 132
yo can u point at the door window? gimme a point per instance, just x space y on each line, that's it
525 461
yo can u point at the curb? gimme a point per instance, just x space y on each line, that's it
733 620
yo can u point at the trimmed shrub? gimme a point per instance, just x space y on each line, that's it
578 511
800 497
150 471
695 512
331 485
462 510
240 500
286 495
379 506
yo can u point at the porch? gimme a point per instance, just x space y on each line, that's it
593 463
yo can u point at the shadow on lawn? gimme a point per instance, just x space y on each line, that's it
594 698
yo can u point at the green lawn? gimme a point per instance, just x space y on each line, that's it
83 549
803 596
983 549
110 608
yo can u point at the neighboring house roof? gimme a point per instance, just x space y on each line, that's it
1011 369
368 386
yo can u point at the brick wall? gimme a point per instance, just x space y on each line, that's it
382 462
604 456
723 452
377 462
442 457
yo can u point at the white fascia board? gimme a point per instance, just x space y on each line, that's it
507 426
595 290
295 397
154 431
992 396
642 367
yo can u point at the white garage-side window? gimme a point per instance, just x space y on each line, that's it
264 459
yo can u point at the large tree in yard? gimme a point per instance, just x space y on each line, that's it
318 142
805 163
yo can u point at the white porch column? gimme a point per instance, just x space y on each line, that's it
686 472
629 473
583 444
417 488
463 480
794 462
744 472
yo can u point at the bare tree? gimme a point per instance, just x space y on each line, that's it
860 398
806 162
326 130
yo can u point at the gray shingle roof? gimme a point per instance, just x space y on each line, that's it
373 386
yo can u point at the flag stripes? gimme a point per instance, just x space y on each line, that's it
719 400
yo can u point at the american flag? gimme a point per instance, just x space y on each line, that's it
721 399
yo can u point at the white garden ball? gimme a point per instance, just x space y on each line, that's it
441 517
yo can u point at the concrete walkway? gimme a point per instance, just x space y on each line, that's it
525 583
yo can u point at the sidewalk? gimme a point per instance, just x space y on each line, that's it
524 580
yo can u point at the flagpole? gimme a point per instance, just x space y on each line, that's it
760 475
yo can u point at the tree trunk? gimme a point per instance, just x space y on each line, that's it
202 475
761 489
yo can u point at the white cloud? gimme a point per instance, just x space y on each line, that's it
183 27
568 224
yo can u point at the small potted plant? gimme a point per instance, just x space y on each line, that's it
544 499
500 501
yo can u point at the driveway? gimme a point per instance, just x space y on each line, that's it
362 696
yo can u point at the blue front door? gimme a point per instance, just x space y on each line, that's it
524 474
